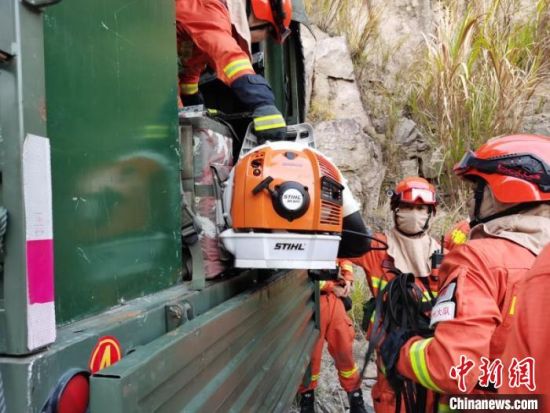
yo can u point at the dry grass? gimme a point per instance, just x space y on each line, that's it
471 80
319 111
354 19
476 75
359 295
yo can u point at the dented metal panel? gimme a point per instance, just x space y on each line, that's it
247 354
29 380
111 80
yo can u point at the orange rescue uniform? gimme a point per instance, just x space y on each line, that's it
206 23
475 311
530 333
377 265
337 329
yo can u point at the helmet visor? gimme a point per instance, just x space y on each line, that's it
418 196
523 166
466 162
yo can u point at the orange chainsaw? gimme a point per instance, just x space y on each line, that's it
283 202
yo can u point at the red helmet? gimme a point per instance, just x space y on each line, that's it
277 12
516 168
413 190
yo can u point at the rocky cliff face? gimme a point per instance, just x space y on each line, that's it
343 130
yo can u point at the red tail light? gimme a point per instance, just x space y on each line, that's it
71 394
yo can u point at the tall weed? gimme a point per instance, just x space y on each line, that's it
477 73
354 19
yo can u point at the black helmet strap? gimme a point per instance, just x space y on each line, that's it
478 197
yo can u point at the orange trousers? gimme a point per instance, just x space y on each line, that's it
337 329
205 36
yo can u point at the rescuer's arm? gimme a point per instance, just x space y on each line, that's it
208 24
190 69
468 315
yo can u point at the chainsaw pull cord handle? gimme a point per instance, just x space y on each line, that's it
364 234
263 185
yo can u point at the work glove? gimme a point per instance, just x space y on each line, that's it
389 352
256 94
192 100
269 124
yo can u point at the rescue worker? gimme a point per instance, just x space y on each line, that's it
530 333
510 220
225 48
337 330
409 250
457 235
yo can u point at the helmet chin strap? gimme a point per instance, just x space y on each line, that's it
478 197
422 231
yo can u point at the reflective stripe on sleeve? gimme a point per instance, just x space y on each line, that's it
322 284
237 66
347 267
417 357
314 377
377 282
189 88
427 296
348 373
269 122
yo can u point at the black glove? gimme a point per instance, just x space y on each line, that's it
348 303
269 124
256 94
192 100
389 351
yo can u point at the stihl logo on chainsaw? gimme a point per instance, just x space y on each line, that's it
292 199
288 246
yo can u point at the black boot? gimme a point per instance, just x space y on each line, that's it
356 403
307 402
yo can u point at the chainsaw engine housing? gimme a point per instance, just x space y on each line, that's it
285 208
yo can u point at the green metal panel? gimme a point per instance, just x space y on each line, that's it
247 354
112 117
284 69
29 380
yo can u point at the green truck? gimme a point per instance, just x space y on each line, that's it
99 306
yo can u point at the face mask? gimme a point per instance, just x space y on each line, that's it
411 221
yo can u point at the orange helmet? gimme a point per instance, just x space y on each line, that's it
516 168
414 190
277 12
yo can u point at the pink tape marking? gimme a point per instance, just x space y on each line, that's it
40 271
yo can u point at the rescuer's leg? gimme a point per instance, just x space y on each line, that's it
307 390
340 336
